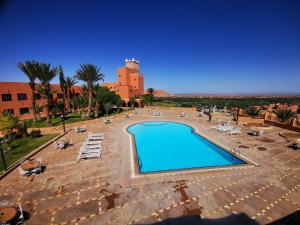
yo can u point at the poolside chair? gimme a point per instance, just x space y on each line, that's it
91 143
182 114
235 131
107 121
80 129
95 134
39 168
23 172
59 145
21 218
217 126
88 153
127 116
200 114
4 204
94 138
156 113
90 147
261 133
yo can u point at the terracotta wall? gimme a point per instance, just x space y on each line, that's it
15 88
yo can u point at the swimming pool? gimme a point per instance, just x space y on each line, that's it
165 145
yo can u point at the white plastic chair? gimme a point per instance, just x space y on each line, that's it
4 204
23 172
39 168
21 219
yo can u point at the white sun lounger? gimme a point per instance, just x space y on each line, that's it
88 143
89 155
235 131
95 134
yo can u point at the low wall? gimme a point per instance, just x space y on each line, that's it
283 125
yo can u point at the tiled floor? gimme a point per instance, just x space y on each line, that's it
101 191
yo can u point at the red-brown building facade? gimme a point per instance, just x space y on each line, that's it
15 97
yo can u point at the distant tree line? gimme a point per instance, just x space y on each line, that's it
243 102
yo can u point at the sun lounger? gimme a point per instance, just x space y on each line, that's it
95 134
182 114
235 131
107 121
80 129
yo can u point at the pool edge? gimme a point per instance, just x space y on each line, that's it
135 170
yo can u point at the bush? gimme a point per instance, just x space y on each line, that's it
252 111
35 133
284 114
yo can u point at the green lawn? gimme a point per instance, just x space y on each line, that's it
23 146
56 121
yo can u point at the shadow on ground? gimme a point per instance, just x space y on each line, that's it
196 220
291 219
233 219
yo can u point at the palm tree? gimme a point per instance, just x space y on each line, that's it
132 101
28 68
62 81
97 92
253 111
69 82
90 74
82 103
66 84
150 91
284 115
107 107
45 74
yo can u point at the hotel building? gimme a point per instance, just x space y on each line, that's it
130 82
15 97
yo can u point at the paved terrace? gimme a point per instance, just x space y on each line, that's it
100 191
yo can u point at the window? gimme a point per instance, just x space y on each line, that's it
37 96
6 97
60 96
22 97
9 111
24 111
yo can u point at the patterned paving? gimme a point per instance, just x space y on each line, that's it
101 191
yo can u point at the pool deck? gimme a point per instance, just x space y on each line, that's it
103 191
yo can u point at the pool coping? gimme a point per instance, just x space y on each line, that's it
134 165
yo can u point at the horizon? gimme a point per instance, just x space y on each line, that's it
198 47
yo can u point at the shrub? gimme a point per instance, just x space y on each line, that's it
252 111
284 114
35 133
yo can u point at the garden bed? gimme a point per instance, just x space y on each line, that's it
23 146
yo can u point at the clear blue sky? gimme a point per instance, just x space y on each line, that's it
213 46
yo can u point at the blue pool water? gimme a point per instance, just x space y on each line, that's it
165 146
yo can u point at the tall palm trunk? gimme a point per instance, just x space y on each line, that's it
47 106
33 102
90 100
68 97
97 107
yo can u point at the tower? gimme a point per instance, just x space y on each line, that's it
132 64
